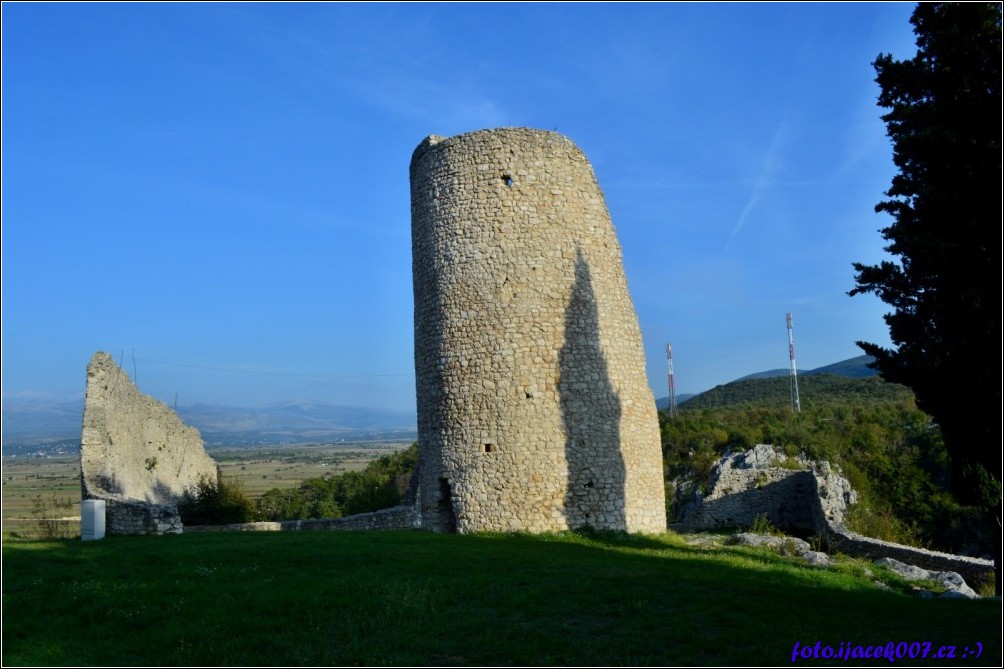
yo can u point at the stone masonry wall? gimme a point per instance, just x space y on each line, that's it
534 411
782 496
973 570
394 518
134 449
130 516
746 485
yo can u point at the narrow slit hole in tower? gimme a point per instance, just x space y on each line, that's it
447 517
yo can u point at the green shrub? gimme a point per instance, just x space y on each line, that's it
881 524
762 525
217 503
790 463
48 514
380 485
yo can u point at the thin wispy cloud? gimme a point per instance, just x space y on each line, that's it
432 101
426 86
863 139
764 180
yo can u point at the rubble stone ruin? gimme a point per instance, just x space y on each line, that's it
136 454
534 411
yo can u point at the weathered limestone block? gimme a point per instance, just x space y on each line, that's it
534 411
136 449
955 586
783 545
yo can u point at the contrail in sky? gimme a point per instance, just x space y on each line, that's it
763 180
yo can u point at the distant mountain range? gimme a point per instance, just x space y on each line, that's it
28 424
41 420
852 368
297 421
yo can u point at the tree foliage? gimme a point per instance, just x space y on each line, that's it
212 502
776 391
380 485
944 120
889 449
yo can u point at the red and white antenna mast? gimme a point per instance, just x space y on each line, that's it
795 404
671 409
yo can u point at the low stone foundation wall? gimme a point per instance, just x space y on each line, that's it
131 516
394 518
839 539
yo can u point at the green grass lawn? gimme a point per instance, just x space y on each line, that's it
415 598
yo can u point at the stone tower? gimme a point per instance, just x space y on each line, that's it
534 411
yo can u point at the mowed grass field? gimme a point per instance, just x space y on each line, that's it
56 480
416 598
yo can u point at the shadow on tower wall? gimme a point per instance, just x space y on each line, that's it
591 413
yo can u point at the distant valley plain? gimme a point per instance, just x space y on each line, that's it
54 479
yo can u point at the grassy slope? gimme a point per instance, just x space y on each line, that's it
412 598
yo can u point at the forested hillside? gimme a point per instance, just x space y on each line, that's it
814 390
890 451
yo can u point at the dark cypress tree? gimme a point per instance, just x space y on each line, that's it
944 119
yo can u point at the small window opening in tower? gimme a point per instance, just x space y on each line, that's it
488 448
507 180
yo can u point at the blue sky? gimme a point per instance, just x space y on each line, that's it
217 194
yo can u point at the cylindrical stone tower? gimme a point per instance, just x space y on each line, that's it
534 411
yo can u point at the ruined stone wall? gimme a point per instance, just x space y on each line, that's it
130 516
747 485
813 501
782 496
973 570
534 411
133 447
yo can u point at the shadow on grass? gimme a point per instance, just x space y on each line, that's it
612 539
414 598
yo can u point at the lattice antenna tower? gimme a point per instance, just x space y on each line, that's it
671 409
795 404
